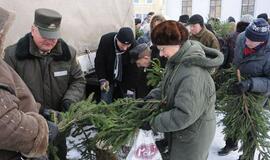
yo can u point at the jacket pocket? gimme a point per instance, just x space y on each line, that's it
188 134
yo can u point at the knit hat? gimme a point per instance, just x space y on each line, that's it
196 19
231 19
258 30
184 18
125 35
247 18
169 33
264 16
137 21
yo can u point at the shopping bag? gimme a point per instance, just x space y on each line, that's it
144 147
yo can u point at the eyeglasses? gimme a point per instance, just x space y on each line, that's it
163 47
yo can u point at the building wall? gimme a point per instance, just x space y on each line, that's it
201 7
262 6
231 8
143 8
228 8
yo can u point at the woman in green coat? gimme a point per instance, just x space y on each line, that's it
189 91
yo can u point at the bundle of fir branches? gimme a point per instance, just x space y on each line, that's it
115 123
245 118
154 73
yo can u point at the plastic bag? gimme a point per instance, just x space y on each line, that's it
144 147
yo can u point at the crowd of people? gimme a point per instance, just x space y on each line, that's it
40 76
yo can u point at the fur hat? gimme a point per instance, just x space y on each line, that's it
258 30
169 33
196 19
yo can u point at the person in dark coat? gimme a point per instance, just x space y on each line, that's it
112 64
231 39
200 33
252 58
48 66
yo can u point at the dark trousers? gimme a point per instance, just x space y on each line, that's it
60 143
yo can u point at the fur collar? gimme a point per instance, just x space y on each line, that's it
23 50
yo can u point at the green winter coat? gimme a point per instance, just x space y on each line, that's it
51 78
187 86
207 38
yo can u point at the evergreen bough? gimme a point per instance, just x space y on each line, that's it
244 116
115 123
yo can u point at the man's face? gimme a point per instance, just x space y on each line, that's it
143 62
251 44
42 43
195 28
122 46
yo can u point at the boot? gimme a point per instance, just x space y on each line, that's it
231 145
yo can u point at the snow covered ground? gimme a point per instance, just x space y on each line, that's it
216 145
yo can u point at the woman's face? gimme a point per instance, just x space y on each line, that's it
168 50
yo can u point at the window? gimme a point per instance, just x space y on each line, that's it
215 8
248 7
136 1
141 16
148 1
187 7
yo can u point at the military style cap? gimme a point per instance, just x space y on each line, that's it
48 23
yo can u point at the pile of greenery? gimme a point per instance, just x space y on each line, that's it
115 124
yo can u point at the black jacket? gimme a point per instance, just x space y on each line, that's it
104 62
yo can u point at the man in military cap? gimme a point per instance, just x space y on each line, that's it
48 66
112 63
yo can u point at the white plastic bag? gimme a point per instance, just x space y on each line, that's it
144 147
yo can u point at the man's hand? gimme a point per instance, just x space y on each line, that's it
51 115
65 105
104 85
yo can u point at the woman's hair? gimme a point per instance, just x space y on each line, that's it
169 33
154 19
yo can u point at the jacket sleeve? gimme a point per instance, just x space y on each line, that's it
215 43
262 84
77 82
188 107
237 50
26 133
100 60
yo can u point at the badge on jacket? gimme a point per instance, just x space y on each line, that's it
60 73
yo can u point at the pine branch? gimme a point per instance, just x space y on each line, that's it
116 123
155 73
244 116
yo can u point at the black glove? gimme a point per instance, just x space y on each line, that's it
242 87
53 131
145 126
65 105
51 115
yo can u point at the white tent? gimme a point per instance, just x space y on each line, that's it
83 22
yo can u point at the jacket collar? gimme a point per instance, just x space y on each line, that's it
26 49
200 34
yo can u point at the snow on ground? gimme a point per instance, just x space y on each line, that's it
216 145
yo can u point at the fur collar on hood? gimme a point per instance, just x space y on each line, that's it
194 53
60 52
